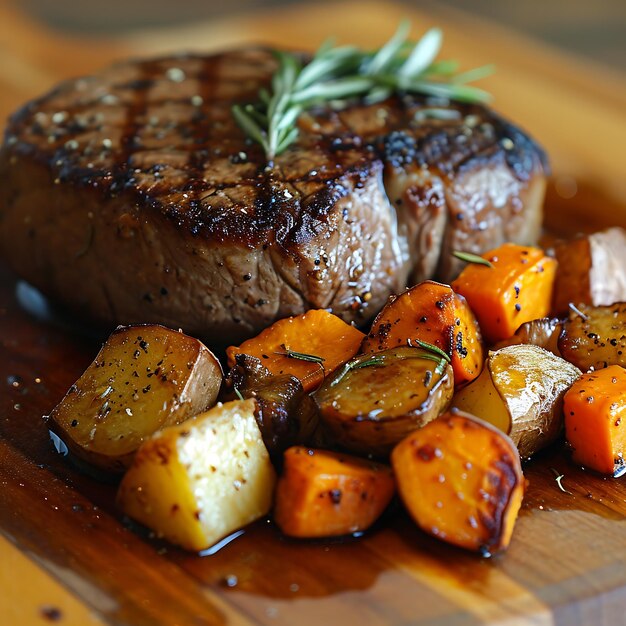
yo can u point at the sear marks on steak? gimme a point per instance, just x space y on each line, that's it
132 196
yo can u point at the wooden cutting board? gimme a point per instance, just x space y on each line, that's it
65 553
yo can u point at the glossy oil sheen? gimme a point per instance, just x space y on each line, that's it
565 562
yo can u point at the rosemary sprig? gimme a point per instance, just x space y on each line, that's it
468 257
357 365
337 74
378 360
238 393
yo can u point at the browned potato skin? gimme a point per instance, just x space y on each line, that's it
144 378
521 392
285 413
591 270
595 339
370 409
543 332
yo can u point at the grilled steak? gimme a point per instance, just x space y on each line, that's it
132 196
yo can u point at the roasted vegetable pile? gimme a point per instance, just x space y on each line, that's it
319 425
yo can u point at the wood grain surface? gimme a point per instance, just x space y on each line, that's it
566 562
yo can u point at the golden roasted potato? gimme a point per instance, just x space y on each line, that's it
377 399
521 392
591 270
461 480
197 482
543 332
595 336
286 414
144 378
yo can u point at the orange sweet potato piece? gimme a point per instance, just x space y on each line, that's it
316 332
431 312
325 494
594 410
461 480
515 290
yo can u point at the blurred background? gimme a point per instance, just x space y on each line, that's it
560 64
595 29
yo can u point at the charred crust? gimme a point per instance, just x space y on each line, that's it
112 133
504 481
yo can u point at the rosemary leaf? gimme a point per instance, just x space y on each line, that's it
442 68
249 126
286 140
356 365
468 257
289 119
374 360
578 312
257 116
441 367
386 54
340 88
431 348
301 356
475 74
559 477
325 47
378 94
238 393
322 67
423 54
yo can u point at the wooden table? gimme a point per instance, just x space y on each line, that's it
65 556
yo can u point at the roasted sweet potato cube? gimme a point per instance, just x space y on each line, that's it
595 420
433 313
461 480
324 494
516 289
308 346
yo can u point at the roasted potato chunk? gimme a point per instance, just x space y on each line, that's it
325 494
377 399
591 270
595 337
521 392
144 378
197 482
286 415
461 480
